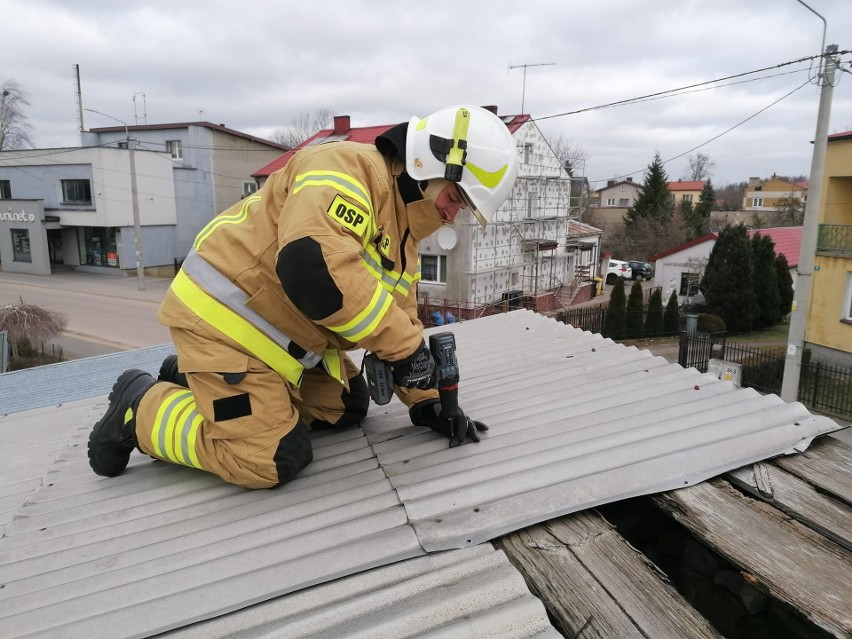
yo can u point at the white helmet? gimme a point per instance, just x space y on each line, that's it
467 145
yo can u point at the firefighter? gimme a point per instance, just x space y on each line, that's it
321 260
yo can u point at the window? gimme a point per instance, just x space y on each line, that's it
688 284
527 153
610 201
98 246
21 245
433 268
623 187
174 147
249 188
623 202
76 192
847 304
757 201
5 190
687 198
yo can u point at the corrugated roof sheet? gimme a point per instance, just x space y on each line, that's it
576 420
474 592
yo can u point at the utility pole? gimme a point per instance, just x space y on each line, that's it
524 67
134 197
810 229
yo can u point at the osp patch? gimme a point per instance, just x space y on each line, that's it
348 215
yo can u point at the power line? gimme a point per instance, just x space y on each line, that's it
726 131
680 89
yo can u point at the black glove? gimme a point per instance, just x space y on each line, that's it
415 371
458 429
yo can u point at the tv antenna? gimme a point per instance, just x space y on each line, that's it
524 67
136 115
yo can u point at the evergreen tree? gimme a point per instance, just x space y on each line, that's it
700 219
765 281
654 317
727 283
671 316
654 201
785 285
635 318
616 311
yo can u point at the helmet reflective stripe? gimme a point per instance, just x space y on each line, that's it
176 428
368 319
487 178
219 220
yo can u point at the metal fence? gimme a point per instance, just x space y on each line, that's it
823 387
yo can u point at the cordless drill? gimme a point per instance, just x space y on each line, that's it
443 349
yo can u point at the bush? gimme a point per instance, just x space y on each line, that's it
710 323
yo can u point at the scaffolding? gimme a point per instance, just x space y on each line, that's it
525 247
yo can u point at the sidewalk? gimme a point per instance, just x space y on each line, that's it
111 285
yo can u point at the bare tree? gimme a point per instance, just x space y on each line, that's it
303 126
647 237
700 167
28 325
791 210
14 125
571 155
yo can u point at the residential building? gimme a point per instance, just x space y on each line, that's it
774 194
78 207
617 194
686 191
211 163
74 207
525 246
680 268
829 322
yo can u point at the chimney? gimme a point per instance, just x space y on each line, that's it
610 182
630 179
341 124
491 107
753 182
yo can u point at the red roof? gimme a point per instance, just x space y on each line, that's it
844 135
686 185
787 240
365 135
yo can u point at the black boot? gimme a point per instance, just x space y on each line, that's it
169 372
114 437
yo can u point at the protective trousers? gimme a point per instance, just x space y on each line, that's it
239 419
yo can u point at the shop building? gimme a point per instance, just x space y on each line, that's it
79 207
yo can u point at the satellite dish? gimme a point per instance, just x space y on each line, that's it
446 238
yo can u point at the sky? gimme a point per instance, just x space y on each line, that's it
257 65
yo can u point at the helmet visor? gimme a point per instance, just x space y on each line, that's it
471 207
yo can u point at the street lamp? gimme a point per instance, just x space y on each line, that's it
134 196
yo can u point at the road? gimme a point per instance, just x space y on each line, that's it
105 314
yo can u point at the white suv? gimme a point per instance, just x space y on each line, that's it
616 269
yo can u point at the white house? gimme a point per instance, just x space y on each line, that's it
680 269
525 249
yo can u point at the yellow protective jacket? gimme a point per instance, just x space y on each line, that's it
321 259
